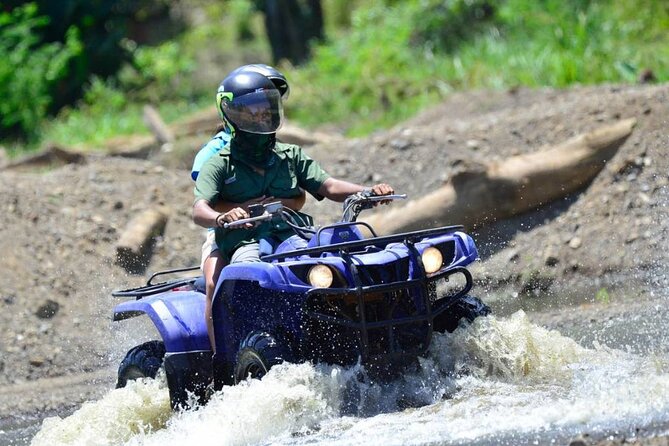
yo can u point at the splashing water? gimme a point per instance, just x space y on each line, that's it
142 406
495 381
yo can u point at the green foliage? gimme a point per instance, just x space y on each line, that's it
445 25
423 49
367 77
30 72
173 76
158 73
382 61
603 296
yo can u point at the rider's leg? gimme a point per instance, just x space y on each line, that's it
212 265
246 253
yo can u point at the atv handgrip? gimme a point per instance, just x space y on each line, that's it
270 210
385 197
243 221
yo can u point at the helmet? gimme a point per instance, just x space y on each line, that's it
250 102
270 73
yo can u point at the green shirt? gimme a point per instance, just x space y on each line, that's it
226 178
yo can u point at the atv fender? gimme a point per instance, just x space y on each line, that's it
265 274
178 316
466 252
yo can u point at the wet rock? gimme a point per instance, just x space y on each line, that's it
48 309
400 144
550 257
581 440
37 361
513 256
631 238
473 144
536 282
575 242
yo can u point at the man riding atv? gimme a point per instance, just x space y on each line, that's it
292 291
254 168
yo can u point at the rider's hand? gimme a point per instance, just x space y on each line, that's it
233 215
382 189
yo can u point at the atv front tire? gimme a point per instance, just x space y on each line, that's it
142 361
467 307
258 353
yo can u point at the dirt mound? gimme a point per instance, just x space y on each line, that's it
58 225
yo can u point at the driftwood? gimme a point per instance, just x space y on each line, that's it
157 126
207 121
50 156
203 125
134 146
135 246
515 185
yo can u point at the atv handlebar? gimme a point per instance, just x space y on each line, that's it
385 197
258 213
356 203
353 205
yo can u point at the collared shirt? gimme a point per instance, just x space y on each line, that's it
226 178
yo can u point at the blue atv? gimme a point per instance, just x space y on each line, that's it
325 295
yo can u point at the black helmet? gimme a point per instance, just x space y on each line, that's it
250 102
271 73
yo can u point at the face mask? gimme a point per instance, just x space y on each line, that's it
255 149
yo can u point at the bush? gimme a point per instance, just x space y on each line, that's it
399 56
31 71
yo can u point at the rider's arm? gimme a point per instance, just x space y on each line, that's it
338 190
206 216
295 203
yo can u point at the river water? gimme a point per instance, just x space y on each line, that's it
501 380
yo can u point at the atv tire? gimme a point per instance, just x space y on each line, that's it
467 307
258 353
142 361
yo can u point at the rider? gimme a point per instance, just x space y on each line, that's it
255 167
210 256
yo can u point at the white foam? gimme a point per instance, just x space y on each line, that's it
498 378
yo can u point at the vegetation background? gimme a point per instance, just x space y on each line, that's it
77 72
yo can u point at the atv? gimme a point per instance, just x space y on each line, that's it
337 294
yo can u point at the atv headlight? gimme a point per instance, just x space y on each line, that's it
432 259
320 276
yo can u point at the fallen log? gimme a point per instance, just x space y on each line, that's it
135 246
133 146
52 155
157 126
500 190
206 122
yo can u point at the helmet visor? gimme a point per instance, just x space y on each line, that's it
257 112
283 87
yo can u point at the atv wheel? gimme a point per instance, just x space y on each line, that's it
468 307
142 361
257 354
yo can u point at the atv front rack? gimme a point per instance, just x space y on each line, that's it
346 247
427 310
363 326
